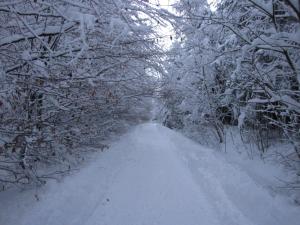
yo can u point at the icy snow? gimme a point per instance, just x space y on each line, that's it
152 175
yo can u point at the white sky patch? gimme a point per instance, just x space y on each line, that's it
166 32
213 4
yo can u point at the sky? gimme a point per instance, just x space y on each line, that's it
168 31
168 3
163 2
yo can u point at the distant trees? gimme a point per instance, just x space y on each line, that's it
238 65
70 72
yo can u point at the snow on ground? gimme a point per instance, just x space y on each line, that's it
271 169
152 175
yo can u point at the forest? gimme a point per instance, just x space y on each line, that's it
75 73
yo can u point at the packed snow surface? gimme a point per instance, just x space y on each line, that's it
152 175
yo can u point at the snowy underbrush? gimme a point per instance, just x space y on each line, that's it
275 166
60 160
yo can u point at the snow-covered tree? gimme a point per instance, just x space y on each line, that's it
71 72
238 65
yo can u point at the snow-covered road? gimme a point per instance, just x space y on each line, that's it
153 175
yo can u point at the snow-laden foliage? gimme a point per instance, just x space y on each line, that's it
71 72
238 65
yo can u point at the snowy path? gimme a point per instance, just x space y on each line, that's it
152 176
